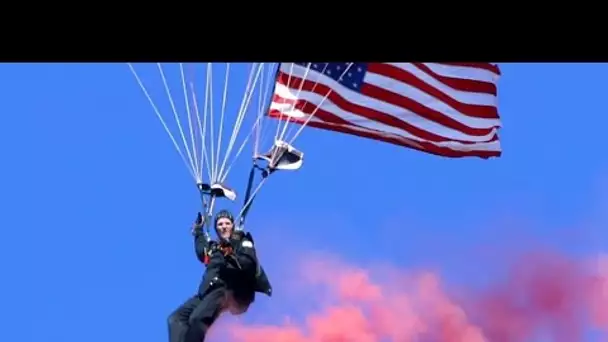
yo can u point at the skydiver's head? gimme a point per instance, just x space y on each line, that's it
224 224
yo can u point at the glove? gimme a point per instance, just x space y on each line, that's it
212 250
197 226
213 247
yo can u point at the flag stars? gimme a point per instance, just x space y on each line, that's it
348 74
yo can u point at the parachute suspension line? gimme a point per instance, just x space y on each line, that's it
162 121
249 196
294 105
202 125
241 222
209 101
179 125
205 116
219 143
210 208
213 190
256 126
189 112
247 205
318 106
235 126
239 151
276 136
265 172
271 85
282 136
241 115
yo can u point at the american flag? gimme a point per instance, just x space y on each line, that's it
447 109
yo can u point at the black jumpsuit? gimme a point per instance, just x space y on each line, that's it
228 281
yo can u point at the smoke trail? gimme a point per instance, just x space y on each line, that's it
543 296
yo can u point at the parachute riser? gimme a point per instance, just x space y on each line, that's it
248 200
208 202
282 156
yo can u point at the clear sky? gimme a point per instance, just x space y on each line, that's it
96 204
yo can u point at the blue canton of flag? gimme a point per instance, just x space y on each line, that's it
348 74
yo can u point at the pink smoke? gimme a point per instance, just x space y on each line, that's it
543 295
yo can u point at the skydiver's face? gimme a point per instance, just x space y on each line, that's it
224 227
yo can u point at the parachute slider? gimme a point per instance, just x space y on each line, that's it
282 156
217 190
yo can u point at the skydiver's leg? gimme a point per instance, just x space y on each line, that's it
178 320
203 316
239 300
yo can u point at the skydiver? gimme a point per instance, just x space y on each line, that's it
232 277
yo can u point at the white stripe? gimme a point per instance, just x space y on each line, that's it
429 126
469 73
452 145
411 92
461 96
385 107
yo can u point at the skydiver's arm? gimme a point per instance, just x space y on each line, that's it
201 246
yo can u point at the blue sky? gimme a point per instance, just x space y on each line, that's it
97 204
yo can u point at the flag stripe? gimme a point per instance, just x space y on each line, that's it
389 74
469 86
463 101
433 109
486 150
471 68
322 115
359 115
394 106
448 109
297 116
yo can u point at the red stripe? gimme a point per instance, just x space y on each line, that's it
310 108
486 66
330 118
383 95
398 74
421 110
474 86
424 146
